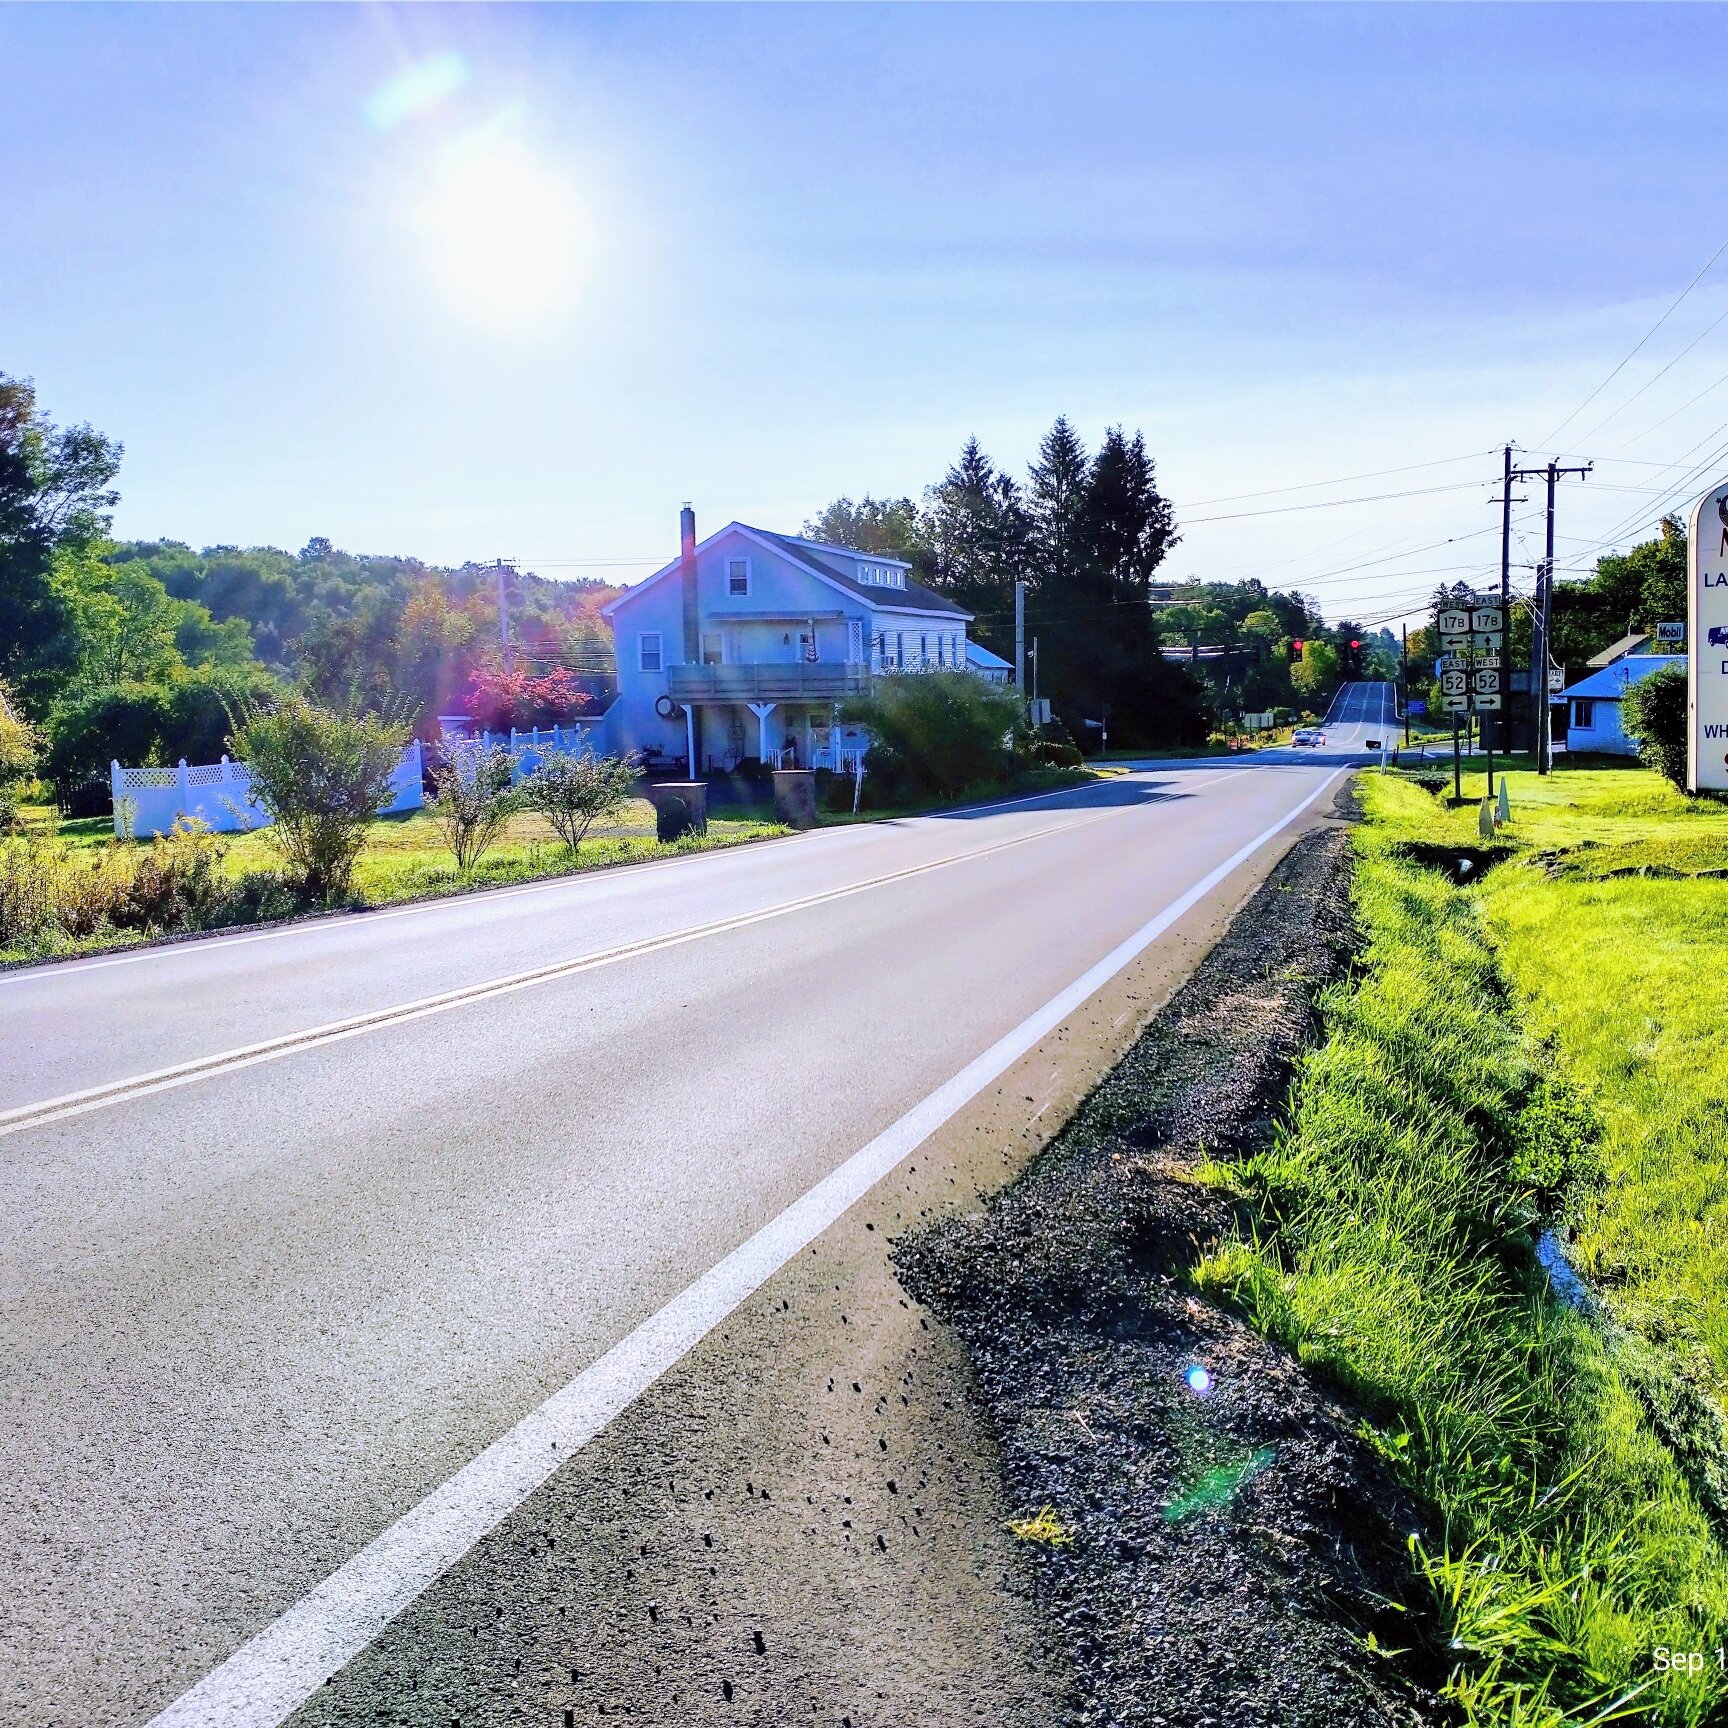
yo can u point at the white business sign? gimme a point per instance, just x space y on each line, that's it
1707 636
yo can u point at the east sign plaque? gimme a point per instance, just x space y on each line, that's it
1707 635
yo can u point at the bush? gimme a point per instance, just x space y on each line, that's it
19 745
178 884
140 724
473 798
573 792
1655 714
323 775
940 732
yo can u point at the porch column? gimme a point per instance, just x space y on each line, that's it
762 710
690 736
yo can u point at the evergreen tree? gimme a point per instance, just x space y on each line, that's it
978 535
1057 496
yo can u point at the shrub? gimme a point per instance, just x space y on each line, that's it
177 884
19 745
323 775
574 791
942 731
1655 711
473 798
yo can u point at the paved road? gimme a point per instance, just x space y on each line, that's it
301 1222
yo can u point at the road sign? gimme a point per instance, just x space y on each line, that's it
1487 620
1671 632
1416 705
1481 702
1706 637
1452 621
1455 704
1485 682
1454 683
1556 678
1485 641
1455 644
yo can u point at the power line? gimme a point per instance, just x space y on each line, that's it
1637 345
1334 503
1343 480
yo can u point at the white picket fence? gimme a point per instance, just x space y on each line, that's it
148 801
580 737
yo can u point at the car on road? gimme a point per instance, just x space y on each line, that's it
1309 735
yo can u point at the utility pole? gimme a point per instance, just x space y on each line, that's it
501 568
1404 680
1539 629
1020 637
1505 727
1034 668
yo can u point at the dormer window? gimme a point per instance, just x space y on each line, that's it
879 575
738 577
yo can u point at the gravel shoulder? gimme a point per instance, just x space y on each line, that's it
1220 1555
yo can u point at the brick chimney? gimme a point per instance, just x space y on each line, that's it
687 581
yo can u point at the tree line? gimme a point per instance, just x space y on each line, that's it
142 650
1089 534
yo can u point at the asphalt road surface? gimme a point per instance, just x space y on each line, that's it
317 1239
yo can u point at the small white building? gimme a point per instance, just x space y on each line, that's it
1593 705
748 642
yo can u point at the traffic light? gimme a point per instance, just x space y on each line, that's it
1296 650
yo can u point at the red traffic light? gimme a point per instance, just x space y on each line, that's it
1297 646
1354 643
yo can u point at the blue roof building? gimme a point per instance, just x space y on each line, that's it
1593 717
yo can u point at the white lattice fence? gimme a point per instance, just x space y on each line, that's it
149 801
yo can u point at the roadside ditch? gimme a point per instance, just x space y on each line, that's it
1218 1544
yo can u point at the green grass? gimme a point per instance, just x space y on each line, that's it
1539 1049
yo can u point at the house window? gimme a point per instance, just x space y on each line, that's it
648 651
738 576
711 654
1584 713
941 650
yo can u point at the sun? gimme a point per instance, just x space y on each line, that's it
506 238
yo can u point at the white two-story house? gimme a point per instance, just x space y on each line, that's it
747 643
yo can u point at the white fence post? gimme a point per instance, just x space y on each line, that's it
185 789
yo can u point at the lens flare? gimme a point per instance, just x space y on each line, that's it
1199 1381
415 89
505 236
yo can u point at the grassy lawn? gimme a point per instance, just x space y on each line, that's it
1536 1053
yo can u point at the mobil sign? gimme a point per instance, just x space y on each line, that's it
1707 733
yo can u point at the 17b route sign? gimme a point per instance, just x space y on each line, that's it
1707 640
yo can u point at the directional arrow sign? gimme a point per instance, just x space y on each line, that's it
1481 702
1455 704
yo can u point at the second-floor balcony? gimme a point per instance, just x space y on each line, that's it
768 681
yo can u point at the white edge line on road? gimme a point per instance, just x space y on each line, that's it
270 1676
220 941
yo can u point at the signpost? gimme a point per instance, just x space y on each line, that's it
1707 640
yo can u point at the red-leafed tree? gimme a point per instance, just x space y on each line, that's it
501 697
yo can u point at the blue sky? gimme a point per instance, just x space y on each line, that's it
759 257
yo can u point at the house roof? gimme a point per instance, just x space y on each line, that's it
812 555
978 655
1612 682
914 597
1619 650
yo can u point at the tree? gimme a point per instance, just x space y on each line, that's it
55 499
893 527
323 775
473 798
1316 673
574 790
1057 504
1655 711
977 533
940 732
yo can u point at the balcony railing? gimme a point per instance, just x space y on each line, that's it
767 681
